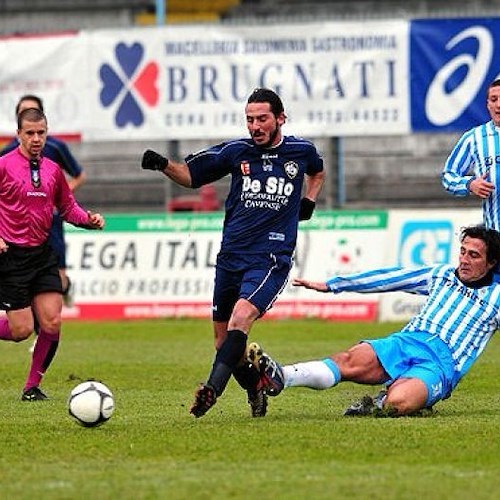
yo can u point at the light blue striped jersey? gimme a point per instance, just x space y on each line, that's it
464 318
476 153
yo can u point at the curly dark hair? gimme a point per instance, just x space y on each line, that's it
267 95
490 237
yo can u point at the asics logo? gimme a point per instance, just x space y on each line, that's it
443 106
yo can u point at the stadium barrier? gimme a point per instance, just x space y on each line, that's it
161 265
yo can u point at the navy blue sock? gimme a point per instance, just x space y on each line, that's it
247 376
226 360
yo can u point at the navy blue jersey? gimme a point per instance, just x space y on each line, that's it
57 151
262 207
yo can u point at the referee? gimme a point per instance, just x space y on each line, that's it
31 187
57 151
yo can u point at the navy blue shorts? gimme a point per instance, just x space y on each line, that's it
259 278
417 355
56 240
26 272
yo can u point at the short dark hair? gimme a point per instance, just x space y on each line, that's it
29 97
490 237
30 115
494 83
267 95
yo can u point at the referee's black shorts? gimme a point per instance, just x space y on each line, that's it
26 272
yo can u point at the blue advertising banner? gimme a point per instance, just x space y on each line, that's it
452 62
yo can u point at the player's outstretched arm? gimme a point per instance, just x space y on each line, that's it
174 170
319 286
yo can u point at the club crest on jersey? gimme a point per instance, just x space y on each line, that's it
245 167
291 169
267 165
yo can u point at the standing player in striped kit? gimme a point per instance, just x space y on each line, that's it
263 209
474 164
424 362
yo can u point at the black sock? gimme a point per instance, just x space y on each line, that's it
226 360
247 376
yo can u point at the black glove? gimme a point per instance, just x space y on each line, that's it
306 209
153 161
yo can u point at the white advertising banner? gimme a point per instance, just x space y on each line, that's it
185 82
421 238
163 265
54 68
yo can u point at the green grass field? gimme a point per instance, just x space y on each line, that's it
152 448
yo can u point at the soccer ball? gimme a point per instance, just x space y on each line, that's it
91 403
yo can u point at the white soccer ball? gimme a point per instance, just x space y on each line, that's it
91 403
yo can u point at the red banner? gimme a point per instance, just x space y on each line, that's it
332 310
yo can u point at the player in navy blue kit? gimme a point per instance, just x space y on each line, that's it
57 151
263 209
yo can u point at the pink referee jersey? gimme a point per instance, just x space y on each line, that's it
26 211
